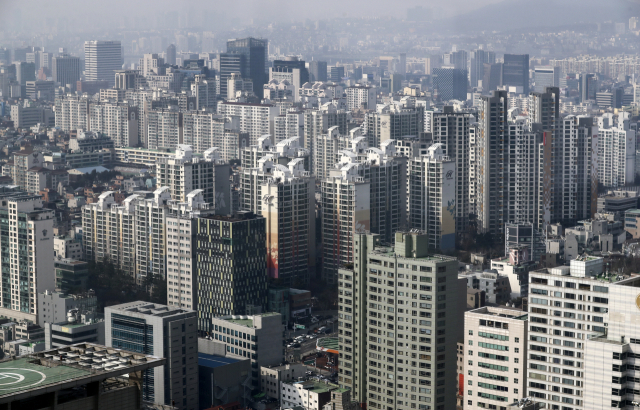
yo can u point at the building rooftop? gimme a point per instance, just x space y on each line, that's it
316 386
633 211
66 367
328 344
506 312
213 361
150 309
246 320
236 217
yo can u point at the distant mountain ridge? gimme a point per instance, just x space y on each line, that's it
512 14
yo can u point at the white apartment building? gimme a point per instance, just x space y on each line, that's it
289 125
281 153
255 119
182 276
164 128
579 175
142 156
71 112
491 174
288 205
279 90
318 121
431 197
151 64
26 240
616 150
451 129
567 307
525 171
310 394
118 121
101 60
495 357
185 173
328 149
394 121
360 96
23 161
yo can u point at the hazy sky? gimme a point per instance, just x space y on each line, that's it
101 14
289 9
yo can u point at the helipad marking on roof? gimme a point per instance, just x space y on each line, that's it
10 378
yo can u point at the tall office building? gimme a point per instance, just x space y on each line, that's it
477 60
336 74
587 87
247 56
515 72
546 76
65 69
616 150
170 55
231 263
413 364
26 239
493 77
451 129
401 65
432 196
185 173
101 60
159 330
450 83
495 357
25 72
491 154
291 69
288 206
317 71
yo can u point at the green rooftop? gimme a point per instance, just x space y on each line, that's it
327 343
22 374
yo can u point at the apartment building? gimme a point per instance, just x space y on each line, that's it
185 173
288 206
495 357
451 129
361 196
255 119
282 152
182 278
394 121
361 96
432 197
491 153
616 150
328 149
26 240
318 121
399 320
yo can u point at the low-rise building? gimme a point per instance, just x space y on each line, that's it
80 327
632 222
495 286
310 394
271 378
258 337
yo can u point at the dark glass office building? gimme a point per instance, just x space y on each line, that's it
515 71
247 56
